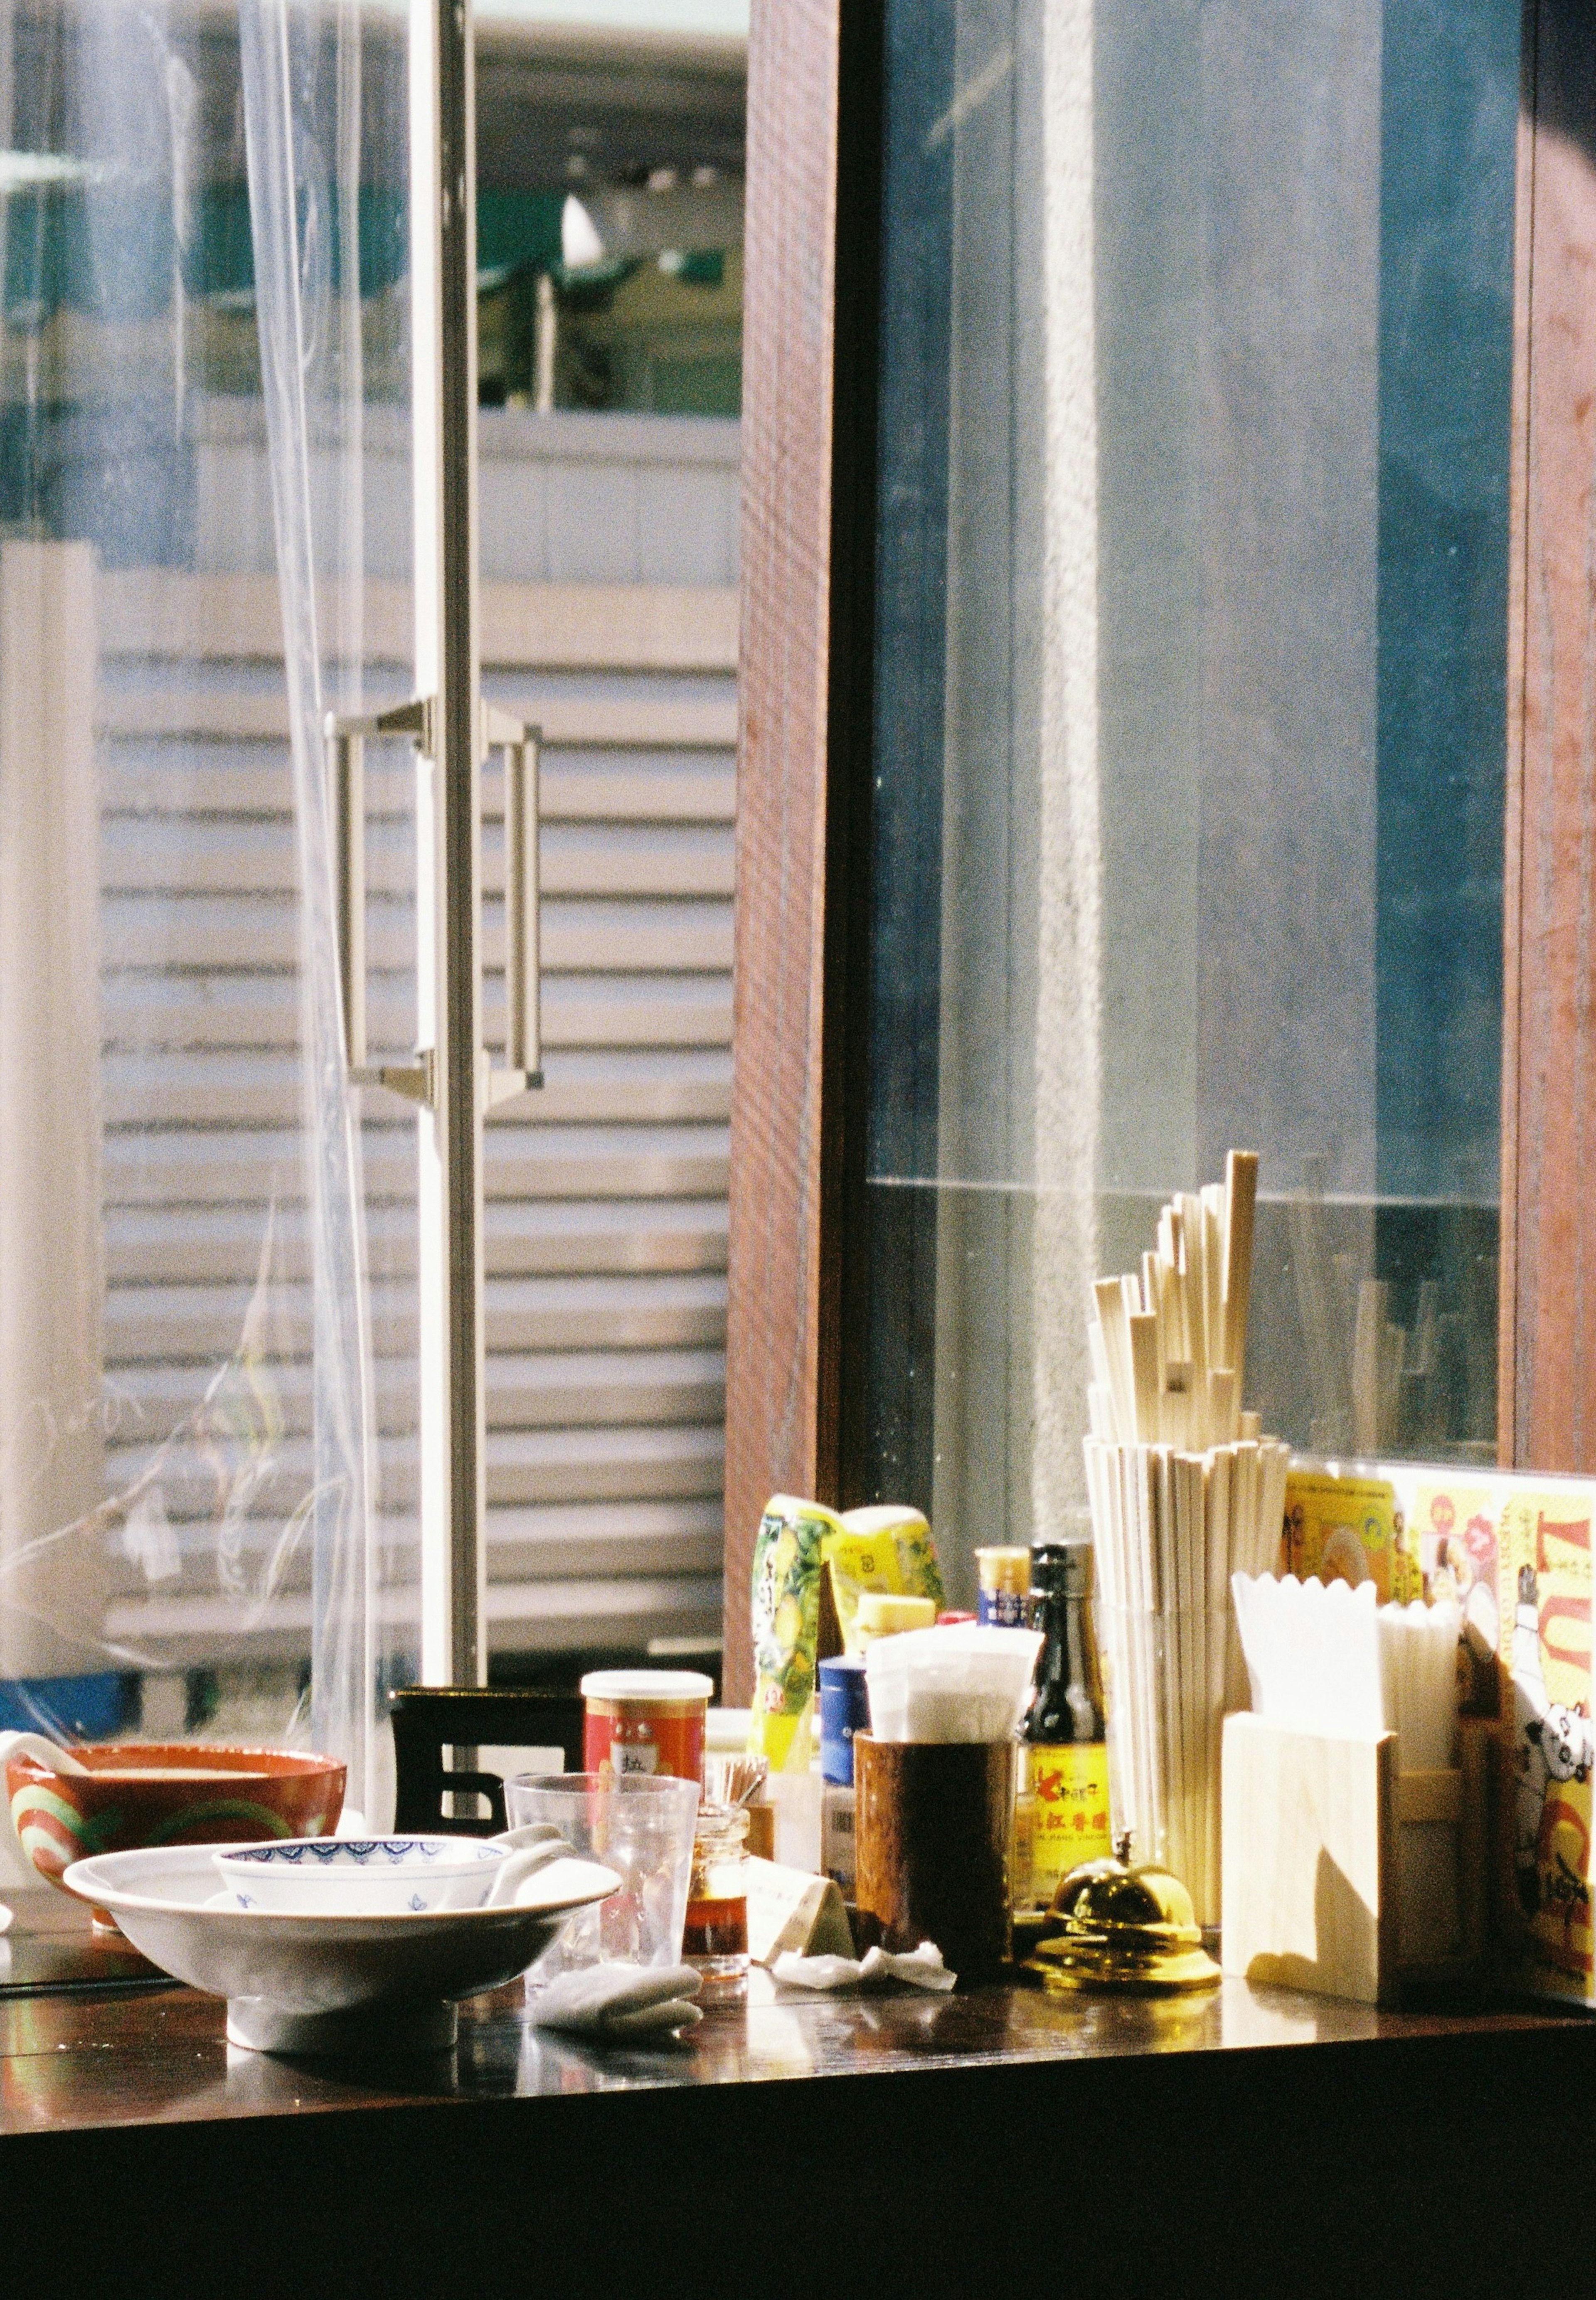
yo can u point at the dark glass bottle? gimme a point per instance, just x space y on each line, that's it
1064 1790
1064 1706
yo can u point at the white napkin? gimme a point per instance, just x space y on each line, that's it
619 2000
921 1968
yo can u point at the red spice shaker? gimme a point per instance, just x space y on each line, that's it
644 1720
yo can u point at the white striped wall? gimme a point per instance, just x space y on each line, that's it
606 1202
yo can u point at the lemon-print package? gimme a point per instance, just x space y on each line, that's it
786 1616
888 1547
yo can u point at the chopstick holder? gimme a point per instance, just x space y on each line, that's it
1355 1844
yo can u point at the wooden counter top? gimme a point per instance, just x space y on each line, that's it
949 2140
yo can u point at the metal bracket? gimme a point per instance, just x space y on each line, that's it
416 1081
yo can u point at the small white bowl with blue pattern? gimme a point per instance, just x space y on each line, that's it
383 1876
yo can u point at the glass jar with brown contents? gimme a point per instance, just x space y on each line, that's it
716 1940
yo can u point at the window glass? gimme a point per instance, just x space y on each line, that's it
208 1330
1190 715
610 185
208 1245
207 1342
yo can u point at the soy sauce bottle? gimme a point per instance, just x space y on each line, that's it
1065 1754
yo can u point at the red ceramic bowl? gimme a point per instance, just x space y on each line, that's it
168 1793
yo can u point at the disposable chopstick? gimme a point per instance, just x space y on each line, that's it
1176 1259
1207 1716
1246 1510
1121 1520
1144 1502
1217 1544
1202 1640
1221 1404
1392 1652
1187 1478
1103 1562
1279 1463
1138 1577
1205 1728
1121 1502
1144 1373
1213 1272
1172 1323
1196 1296
1167 1633
1116 1350
1098 1351
1246 1519
1134 1738
1100 1457
1248 1560
1174 1404
1241 1206
1368 1334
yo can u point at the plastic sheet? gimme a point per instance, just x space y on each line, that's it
194 1539
304 191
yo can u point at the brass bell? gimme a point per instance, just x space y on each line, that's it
1119 1926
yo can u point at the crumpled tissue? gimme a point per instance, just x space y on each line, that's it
921 1968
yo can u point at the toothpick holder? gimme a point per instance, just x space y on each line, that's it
1342 1875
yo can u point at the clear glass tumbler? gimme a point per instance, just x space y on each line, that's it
641 1825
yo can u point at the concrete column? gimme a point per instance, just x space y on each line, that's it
53 1582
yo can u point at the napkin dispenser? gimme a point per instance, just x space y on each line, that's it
1355 1802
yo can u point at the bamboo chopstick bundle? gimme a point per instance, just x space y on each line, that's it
1169 1341
1170 1527
1185 1491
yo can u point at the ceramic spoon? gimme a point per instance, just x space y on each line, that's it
531 1847
34 1744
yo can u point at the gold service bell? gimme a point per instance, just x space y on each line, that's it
1118 1926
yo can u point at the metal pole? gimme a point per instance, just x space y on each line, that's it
444 367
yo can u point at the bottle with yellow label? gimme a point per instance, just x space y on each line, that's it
1064 1758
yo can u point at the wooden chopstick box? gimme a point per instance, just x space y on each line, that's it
1343 1876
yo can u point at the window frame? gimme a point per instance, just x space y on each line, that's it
795 1312
1546 1362
806 673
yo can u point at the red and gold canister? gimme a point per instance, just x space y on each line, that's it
644 1720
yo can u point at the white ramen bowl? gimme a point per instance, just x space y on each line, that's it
382 1876
300 1982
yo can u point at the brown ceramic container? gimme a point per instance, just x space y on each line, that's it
933 1824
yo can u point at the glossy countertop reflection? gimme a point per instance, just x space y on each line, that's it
78 2062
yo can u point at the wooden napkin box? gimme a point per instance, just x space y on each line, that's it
1343 1876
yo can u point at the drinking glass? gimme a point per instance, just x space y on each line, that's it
641 1825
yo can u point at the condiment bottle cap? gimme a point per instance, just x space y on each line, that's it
883 1615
